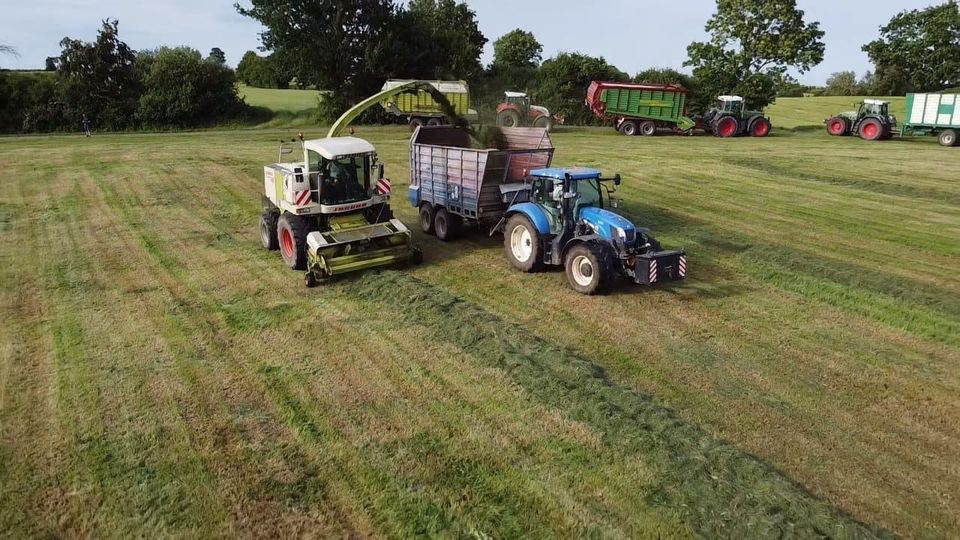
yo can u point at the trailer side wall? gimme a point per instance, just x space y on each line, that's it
933 111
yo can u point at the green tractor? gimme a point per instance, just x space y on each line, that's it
871 121
728 119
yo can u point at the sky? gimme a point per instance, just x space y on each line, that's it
35 27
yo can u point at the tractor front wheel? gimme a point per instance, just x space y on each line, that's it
292 232
508 118
447 225
588 268
947 137
522 244
760 128
426 218
871 129
543 122
837 126
648 128
628 128
727 127
268 231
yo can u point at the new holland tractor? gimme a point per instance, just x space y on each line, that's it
871 121
728 119
565 221
516 110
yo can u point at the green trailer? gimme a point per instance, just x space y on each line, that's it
933 114
418 107
639 109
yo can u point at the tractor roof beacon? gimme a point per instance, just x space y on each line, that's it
329 213
566 220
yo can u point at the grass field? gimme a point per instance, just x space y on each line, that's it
161 374
288 100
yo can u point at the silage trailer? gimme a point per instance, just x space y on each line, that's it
418 107
639 109
933 114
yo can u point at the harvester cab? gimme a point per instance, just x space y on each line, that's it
729 119
566 221
330 213
871 121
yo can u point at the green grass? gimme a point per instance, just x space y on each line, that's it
162 375
287 100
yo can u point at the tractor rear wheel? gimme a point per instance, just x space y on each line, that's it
760 128
447 225
268 231
543 122
871 129
521 241
426 218
727 127
628 128
434 122
415 122
648 128
292 232
589 269
837 126
947 137
508 118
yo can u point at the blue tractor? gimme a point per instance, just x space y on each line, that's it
565 220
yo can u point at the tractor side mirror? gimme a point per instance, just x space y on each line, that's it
616 179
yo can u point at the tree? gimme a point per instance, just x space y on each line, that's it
563 80
100 78
182 89
217 55
843 83
261 72
449 42
918 50
752 44
325 43
52 63
517 49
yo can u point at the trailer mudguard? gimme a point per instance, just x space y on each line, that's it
534 213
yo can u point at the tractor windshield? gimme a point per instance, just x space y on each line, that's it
590 194
344 180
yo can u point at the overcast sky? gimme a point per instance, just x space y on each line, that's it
619 30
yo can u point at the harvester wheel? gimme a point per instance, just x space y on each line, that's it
871 129
426 218
268 231
727 127
947 137
447 225
628 128
760 128
310 280
648 128
589 269
508 118
522 244
434 122
292 233
837 126
543 122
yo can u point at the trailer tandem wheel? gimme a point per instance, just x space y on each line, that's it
947 137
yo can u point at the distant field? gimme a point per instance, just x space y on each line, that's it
163 376
289 100
812 111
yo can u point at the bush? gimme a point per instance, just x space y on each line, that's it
24 100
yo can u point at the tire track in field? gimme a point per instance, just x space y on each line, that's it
700 478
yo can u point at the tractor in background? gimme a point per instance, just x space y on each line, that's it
517 110
871 121
565 221
728 119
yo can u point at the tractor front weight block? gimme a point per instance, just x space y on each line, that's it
659 267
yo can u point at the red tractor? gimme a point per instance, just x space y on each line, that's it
517 111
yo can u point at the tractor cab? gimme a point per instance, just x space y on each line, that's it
565 193
874 107
730 105
520 99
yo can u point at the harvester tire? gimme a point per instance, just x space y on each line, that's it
648 128
947 137
268 231
292 232
309 280
521 241
589 268
447 225
543 122
760 128
426 218
871 130
727 126
508 118
837 126
628 128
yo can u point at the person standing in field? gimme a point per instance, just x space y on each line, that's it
86 125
